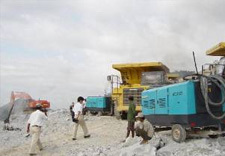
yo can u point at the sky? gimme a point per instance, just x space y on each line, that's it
61 49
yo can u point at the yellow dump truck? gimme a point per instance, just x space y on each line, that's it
218 50
134 77
218 66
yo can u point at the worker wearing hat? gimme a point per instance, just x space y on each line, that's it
34 125
143 128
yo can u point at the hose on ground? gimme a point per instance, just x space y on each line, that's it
219 82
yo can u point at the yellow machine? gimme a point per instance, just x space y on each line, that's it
218 50
132 75
218 66
173 78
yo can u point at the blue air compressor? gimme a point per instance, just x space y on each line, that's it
98 104
188 105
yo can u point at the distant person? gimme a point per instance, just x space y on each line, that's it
34 126
143 128
131 117
71 111
79 118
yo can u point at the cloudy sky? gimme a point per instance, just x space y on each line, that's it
60 49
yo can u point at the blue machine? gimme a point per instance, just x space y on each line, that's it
181 103
98 104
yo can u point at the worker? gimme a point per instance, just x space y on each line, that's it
143 128
34 126
71 111
131 116
79 118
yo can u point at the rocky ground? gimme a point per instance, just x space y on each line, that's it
107 134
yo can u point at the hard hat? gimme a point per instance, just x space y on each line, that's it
38 105
140 115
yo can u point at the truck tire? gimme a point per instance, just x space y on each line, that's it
123 115
112 110
88 113
178 133
93 113
99 113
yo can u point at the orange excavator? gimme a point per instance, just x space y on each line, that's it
31 105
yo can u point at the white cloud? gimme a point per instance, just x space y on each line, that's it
59 50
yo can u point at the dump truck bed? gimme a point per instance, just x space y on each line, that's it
218 50
141 66
131 72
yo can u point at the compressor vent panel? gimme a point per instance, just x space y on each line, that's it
152 104
162 102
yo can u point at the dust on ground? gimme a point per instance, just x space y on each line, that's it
107 134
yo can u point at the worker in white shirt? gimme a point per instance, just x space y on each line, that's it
79 118
143 128
34 125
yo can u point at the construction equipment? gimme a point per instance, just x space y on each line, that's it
136 77
98 104
191 106
218 50
173 78
44 103
14 96
31 103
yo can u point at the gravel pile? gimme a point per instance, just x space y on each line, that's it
107 134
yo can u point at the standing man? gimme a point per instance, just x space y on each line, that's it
143 128
131 117
34 125
79 118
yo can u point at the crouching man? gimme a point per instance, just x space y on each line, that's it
34 125
143 128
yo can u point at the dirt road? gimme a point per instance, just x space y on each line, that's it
56 137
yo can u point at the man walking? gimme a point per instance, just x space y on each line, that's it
79 118
34 125
131 117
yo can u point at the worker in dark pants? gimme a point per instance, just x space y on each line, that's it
131 117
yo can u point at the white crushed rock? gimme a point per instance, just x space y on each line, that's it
107 134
